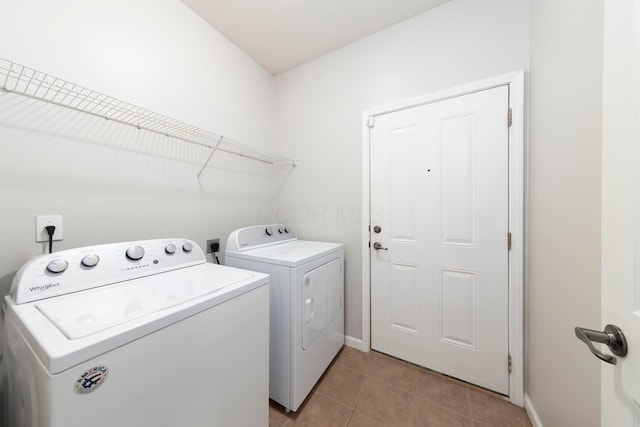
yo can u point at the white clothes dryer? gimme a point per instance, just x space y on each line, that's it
135 334
307 304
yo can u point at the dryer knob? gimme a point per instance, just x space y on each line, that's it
187 247
57 266
90 260
286 230
170 249
269 231
134 253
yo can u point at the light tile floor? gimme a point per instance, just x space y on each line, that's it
372 389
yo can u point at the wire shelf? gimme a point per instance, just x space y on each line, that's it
25 81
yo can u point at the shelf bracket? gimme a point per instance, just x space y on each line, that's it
213 151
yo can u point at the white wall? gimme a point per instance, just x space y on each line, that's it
319 107
114 183
563 283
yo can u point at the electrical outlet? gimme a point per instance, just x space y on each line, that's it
44 220
210 242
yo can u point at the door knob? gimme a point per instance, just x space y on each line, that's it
377 246
612 336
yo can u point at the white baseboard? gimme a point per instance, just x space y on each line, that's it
531 412
353 342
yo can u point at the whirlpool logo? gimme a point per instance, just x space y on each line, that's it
91 379
42 288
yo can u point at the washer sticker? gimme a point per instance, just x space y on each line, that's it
91 379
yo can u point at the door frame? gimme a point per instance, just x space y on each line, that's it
515 80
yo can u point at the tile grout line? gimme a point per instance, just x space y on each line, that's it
368 377
473 418
341 363
412 408
413 397
364 384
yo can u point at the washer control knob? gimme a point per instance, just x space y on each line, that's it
134 253
187 247
90 260
170 249
286 230
269 231
57 266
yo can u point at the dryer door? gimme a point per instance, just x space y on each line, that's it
318 300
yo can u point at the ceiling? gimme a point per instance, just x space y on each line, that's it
282 34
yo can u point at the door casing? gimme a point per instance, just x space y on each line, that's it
515 80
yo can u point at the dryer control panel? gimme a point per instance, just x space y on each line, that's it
258 236
89 267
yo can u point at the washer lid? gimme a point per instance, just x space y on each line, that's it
86 313
70 329
290 254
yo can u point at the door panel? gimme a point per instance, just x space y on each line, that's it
458 307
319 300
404 184
457 145
439 192
404 312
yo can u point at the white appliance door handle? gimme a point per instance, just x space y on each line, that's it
308 310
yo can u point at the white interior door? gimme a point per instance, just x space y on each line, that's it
439 228
620 392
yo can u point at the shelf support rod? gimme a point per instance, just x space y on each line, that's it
213 151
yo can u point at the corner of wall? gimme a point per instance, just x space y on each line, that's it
531 412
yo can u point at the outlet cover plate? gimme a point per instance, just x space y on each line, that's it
42 221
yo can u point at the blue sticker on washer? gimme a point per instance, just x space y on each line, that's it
91 379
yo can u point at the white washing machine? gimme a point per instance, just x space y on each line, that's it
136 334
307 304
